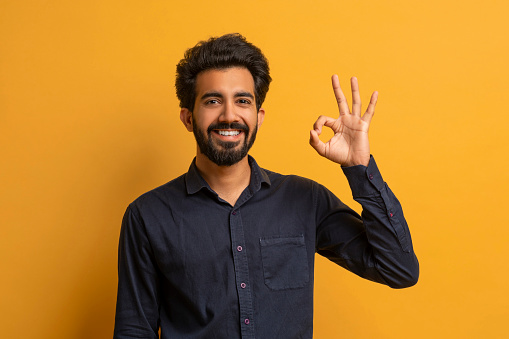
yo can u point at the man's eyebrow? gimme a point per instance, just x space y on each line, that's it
244 94
211 94
219 95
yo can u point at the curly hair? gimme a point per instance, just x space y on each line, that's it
229 50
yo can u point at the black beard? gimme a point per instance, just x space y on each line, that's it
224 154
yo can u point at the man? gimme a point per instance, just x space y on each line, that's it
227 249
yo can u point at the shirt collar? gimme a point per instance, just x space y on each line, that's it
195 182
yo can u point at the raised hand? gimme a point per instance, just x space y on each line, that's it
350 145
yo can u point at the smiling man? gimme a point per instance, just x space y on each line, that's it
227 249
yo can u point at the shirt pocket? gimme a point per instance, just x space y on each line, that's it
284 262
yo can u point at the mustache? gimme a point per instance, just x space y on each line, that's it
225 125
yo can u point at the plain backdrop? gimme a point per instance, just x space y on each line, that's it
89 120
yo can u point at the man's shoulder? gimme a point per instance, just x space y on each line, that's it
278 179
170 191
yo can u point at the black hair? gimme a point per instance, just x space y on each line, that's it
229 50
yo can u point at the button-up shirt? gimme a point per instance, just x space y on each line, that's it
197 267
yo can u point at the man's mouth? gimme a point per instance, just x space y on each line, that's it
228 132
231 132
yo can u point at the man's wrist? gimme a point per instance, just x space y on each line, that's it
363 162
364 180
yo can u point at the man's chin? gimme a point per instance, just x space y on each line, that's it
226 145
224 152
226 160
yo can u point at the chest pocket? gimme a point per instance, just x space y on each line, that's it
284 262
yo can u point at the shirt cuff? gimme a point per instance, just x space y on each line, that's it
364 181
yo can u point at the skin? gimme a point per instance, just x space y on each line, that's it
224 96
350 145
228 96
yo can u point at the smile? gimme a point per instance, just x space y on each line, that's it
228 133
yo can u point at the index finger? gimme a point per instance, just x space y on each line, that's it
340 97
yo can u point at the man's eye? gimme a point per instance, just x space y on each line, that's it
212 101
244 101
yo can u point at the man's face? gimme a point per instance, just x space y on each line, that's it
225 119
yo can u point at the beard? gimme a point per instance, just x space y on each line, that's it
224 153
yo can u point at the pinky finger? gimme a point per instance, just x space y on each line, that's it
370 111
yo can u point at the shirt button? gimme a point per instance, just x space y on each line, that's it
234 212
243 285
391 214
246 321
371 177
239 248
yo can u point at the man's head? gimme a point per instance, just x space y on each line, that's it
221 84
230 50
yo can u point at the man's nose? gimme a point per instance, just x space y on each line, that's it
228 113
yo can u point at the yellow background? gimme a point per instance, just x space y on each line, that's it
89 121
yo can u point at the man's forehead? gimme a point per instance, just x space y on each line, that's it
228 79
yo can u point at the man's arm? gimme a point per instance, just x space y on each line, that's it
378 245
137 314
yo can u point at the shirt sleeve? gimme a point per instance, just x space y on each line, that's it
137 312
376 246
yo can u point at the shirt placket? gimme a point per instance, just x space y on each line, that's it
240 262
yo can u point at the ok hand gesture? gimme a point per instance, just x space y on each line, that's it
350 145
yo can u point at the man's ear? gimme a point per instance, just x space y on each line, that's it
187 118
261 116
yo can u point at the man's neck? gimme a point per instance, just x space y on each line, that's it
227 181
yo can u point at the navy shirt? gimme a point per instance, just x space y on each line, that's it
197 267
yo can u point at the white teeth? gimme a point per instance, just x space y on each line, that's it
228 133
